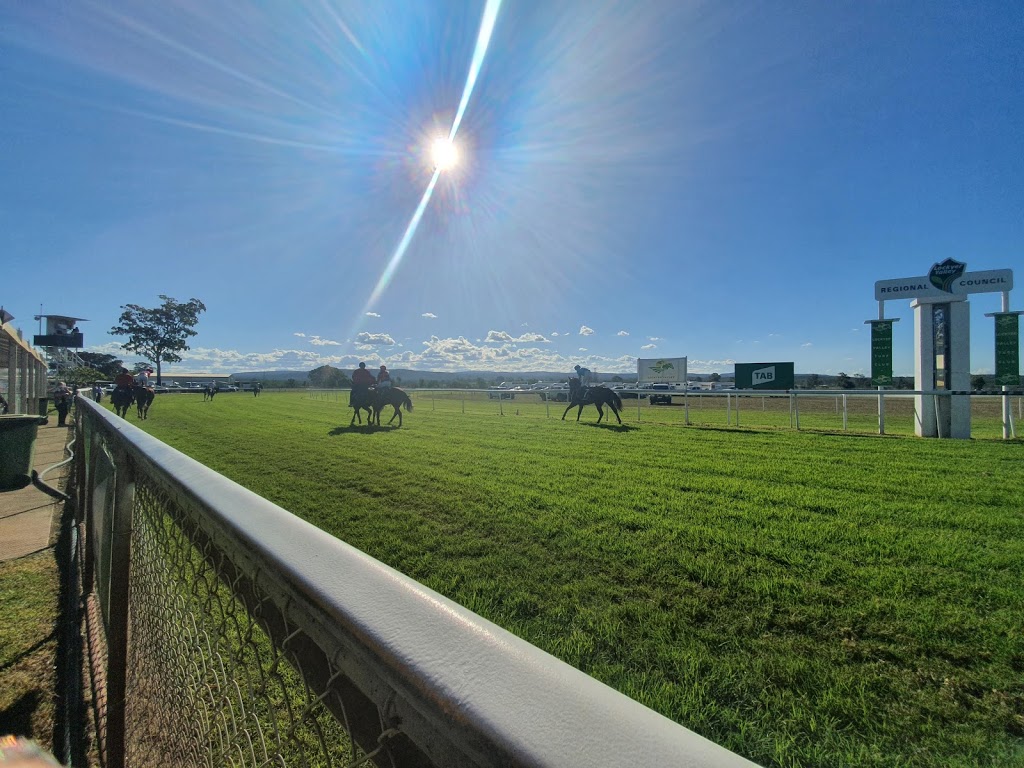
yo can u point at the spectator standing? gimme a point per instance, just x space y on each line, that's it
62 397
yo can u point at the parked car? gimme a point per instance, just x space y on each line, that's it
221 387
501 392
664 397
557 392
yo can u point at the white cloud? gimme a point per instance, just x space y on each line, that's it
807 344
526 338
585 331
583 349
554 334
654 338
622 333
855 330
372 314
429 315
649 346
381 339
300 335
316 341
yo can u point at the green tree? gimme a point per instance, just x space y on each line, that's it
813 381
978 382
328 377
159 334
843 381
107 366
85 377
715 377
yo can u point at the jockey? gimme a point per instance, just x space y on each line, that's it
362 380
123 380
383 378
585 376
142 379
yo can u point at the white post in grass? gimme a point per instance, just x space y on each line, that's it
881 412
845 413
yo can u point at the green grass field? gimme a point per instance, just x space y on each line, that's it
803 598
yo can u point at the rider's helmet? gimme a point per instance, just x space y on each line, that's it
383 367
362 365
576 367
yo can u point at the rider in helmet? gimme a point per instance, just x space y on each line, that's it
362 380
142 379
124 380
585 376
383 378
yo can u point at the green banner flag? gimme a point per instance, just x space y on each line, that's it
881 353
1007 349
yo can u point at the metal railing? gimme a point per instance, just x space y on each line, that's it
226 631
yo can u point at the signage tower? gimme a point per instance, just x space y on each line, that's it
942 345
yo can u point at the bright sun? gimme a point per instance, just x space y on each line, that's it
444 154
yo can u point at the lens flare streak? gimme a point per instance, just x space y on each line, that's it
483 39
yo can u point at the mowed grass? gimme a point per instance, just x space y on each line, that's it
804 599
28 646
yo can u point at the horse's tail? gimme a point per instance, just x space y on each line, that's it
616 399
408 402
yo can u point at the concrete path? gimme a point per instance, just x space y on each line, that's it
29 518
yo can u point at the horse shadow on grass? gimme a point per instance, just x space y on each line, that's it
609 427
361 429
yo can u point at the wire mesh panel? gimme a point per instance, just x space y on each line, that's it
235 634
211 682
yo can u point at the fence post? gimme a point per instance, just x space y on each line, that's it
117 632
796 409
881 412
846 413
463 402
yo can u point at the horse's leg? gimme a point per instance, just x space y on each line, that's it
615 411
600 411
396 413
567 409
579 412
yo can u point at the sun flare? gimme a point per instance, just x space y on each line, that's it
444 154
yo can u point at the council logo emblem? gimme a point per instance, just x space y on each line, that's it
662 365
943 274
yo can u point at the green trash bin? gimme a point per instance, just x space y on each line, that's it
44 405
17 444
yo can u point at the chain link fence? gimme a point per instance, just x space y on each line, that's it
223 631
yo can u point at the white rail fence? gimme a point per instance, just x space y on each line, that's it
226 631
864 411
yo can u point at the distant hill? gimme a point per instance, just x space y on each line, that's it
412 377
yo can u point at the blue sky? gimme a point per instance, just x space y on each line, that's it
722 180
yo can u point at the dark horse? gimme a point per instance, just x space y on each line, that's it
390 396
596 396
143 399
361 400
122 398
